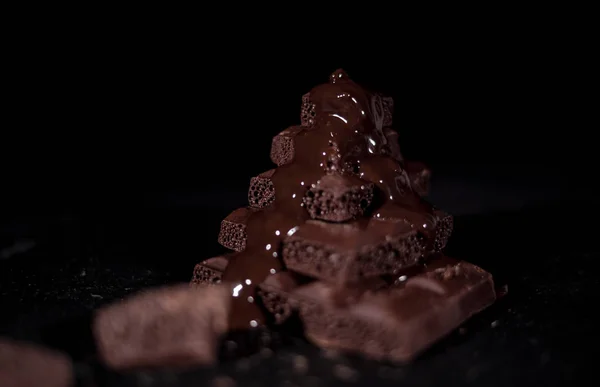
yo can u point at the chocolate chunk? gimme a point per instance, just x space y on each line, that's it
387 104
283 146
307 114
175 326
419 176
27 365
210 272
395 323
233 229
348 252
274 292
391 137
262 191
338 198
443 229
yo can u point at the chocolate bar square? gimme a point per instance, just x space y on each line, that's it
395 323
349 252
171 326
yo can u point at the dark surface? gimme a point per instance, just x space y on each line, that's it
543 332
121 152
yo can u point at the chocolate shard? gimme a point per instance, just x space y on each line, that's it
283 146
27 365
395 323
388 109
307 114
443 229
419 176
176 326
391 137
210 272
262 191
275 290
233 229
338 198
348 252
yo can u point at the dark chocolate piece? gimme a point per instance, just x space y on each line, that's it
282 146
307 114
338 198
395 323
348 252
385 108
262 191
27 365
419 176
443 229
233 229
393 145
171 326
274 292
210 272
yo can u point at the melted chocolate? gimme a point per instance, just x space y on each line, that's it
345 136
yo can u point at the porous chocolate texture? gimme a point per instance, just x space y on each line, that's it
27 365
275 291
210 272
443 229
262 191
233 229
395 323
175 326
307 113
345 253
338 198
283 146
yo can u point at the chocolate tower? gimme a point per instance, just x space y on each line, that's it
340 232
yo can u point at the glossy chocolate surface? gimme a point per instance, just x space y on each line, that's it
343 134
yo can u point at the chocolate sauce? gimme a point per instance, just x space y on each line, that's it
346 136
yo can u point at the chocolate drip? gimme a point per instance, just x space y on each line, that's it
345 136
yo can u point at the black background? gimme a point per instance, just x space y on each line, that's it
123 150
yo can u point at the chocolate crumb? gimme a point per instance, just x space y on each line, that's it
300 364
266 352
345 373
223 381
331 354
243 365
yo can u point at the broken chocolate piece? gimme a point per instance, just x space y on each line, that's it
388 109
210 272
307 114
338 198
171 326
419 176
233 229
283 146
443 229
348 252
274 292
27 365
393 145
395 323
262 191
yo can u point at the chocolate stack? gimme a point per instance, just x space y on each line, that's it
340 235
